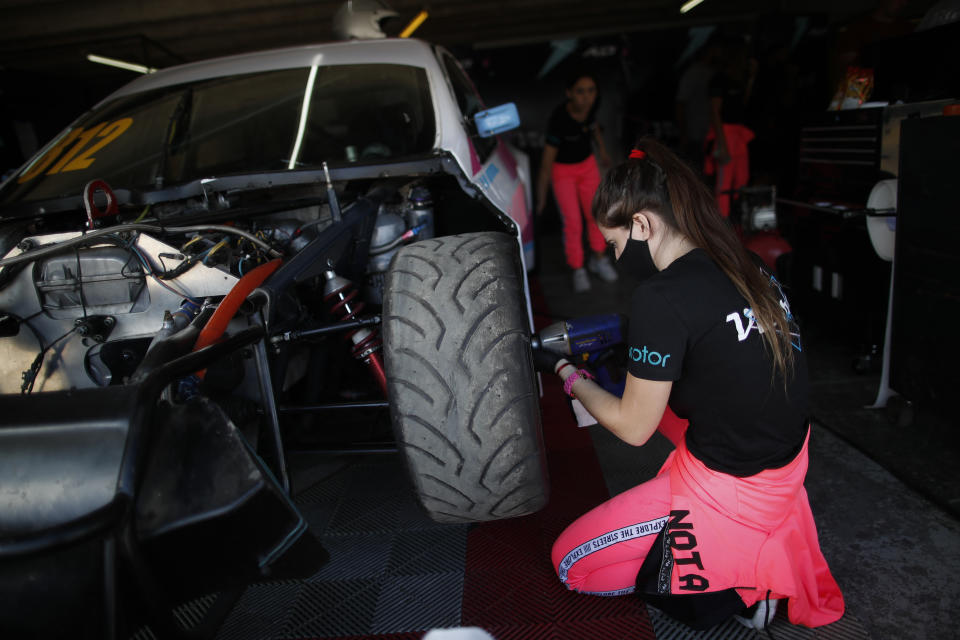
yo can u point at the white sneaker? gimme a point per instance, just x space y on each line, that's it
766 609
581 281
601 267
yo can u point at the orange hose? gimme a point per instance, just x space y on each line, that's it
217 324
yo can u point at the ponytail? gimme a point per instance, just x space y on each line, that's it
655 179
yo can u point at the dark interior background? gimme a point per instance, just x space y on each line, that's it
639 48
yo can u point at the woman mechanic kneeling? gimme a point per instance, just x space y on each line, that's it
725 528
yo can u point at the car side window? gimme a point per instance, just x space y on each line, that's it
470 104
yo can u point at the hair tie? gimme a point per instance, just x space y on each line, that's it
637 154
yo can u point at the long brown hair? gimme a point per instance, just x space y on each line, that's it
662 183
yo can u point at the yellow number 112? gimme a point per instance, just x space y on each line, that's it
70 161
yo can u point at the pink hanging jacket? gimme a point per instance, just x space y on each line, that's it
754 534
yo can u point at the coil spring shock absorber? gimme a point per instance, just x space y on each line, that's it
339 294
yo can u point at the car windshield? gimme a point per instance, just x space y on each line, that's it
237 124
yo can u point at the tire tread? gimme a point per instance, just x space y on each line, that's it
462 390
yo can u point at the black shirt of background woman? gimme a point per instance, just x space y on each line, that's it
571 138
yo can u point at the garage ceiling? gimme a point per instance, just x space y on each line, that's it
54 36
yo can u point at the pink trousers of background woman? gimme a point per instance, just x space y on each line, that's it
573 188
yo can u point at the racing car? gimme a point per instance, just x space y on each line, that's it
224 257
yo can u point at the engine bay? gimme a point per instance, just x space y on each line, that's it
81 309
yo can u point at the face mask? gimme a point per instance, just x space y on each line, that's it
635 259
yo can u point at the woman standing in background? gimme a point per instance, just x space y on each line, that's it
729 136
568 162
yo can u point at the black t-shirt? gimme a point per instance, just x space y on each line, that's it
689 324
571 138
733 109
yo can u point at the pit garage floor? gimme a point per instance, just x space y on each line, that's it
893 547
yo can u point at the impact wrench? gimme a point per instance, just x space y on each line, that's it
577 336
586 339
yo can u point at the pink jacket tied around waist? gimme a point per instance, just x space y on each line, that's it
768 512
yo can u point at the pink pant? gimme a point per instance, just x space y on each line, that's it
602 551
573 189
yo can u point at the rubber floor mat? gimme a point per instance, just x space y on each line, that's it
392 573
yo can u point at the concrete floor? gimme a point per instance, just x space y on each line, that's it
892 546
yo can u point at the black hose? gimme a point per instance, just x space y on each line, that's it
375 251
165 348
178 270
30 375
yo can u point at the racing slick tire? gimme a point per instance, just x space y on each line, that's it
463 394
